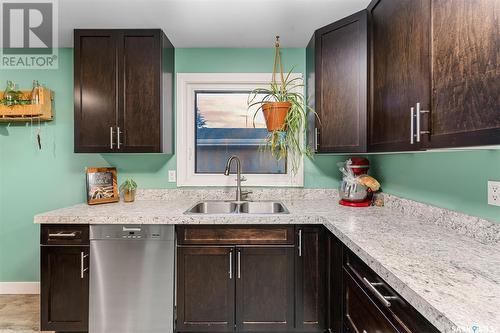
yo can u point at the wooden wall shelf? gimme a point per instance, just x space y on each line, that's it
31 112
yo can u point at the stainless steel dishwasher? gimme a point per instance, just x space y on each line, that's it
131 279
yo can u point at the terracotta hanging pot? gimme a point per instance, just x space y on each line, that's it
275 114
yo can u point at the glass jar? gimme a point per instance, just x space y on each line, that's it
35 93
10 94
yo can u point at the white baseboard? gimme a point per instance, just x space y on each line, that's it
16 288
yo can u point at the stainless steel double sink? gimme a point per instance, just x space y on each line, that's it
234 207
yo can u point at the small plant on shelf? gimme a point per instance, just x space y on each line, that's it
13 96
128 187
285 112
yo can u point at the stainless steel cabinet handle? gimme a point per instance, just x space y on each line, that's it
316 144
419 112
300 242
382 298
61 234
230 264
118 141
111 137
418 122
412 124
239 264
82 269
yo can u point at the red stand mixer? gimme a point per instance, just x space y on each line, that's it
354 190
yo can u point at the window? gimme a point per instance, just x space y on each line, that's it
225 127
214 122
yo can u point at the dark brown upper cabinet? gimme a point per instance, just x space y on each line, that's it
123 91
434 74
340 85
433 78
465 74
399 72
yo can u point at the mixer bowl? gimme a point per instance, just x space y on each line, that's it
353 192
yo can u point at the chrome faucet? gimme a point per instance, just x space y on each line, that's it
239 179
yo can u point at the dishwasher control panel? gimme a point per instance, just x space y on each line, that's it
132 232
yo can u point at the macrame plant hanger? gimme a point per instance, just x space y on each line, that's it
278 65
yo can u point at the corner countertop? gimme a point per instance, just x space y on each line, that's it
451 279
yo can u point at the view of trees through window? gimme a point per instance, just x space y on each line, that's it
225 127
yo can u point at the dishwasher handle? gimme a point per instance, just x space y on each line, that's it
131 229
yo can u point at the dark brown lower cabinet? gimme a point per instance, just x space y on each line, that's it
251 279
247 289
64 288
264 289
335 285
310 279
371 305
205 289
361 314
308 283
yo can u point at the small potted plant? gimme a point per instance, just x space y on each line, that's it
285 111
128 187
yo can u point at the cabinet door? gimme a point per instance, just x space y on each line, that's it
335 284
361 314
64 287
264 289
140 90
342 85
466 73
95 90
399 71
205 289
311 275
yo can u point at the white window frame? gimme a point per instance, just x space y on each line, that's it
187 84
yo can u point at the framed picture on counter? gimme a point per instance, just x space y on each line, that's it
102 186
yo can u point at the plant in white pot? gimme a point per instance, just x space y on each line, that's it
285 112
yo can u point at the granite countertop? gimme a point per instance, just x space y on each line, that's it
453 279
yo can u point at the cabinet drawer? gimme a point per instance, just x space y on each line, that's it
65 234
401 314
361 313
236 235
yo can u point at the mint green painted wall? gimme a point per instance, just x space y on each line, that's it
33 181
456 180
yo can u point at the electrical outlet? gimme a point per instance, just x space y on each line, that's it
171 176
493 193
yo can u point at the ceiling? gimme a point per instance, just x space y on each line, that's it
209 23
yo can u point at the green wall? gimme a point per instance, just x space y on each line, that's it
33 181
456 180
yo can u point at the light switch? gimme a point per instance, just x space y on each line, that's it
171 176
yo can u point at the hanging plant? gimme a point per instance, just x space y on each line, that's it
285 112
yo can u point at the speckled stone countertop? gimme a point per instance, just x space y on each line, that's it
443 269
